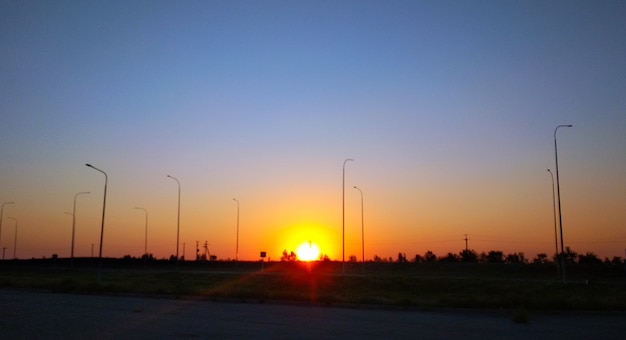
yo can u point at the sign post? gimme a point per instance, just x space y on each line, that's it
263 254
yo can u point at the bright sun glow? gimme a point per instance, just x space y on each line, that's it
308 251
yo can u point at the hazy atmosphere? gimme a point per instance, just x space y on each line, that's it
448 109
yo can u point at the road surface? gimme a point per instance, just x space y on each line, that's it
31 315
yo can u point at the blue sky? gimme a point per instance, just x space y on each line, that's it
448 108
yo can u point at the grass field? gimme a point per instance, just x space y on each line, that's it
404 285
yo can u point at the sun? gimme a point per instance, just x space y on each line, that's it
308 251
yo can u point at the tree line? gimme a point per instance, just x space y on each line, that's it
492 256
497 256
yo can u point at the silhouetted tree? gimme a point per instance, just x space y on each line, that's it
450 258
570 256
378 259
541 258
147 257
288 257
352 258
418 258
324 257
515 258
429 256
617 261
468 255
401 257
495 256
589 258
127 259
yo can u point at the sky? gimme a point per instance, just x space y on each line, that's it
448 109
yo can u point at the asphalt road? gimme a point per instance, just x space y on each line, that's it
33 315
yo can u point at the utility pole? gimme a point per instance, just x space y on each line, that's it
466 249
207 253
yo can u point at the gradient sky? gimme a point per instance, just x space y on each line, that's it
447 107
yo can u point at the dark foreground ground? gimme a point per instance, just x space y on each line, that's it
27 314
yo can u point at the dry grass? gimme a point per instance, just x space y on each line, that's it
325 284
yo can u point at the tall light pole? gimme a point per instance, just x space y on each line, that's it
69 213
556 245
104 204
1 212
558 193
237 241
362 230
145 244
178 223
343 216
74 222
14 239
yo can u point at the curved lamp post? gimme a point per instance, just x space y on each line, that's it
558 193
178 221
74 222
14 239
104 203
145 244
237 241
343 216
556 245
362 230
1 212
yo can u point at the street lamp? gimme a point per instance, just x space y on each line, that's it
556 246
145 246
1 212
178 223
69 213
74 222
362 230
237 242
558 193
343 216
14 239
104 204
